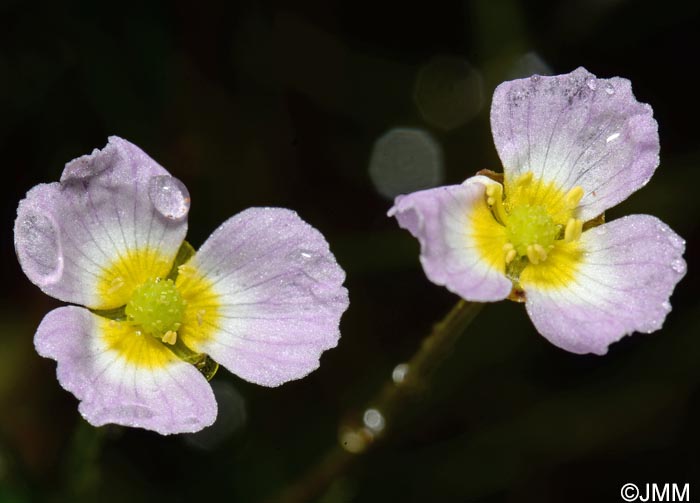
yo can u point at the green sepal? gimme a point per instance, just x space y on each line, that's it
117 313
185 253
202 361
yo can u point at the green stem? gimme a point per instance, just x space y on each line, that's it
358 435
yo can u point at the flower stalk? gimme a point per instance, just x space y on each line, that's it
358 434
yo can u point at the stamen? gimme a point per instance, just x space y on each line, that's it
532 255
494 198
573 230
573 197
170 337
540 251
510 255
525 179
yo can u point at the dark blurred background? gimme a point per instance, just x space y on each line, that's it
331 107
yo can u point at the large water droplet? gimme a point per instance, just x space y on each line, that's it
169 196
609 88
592 83
39 247
666 305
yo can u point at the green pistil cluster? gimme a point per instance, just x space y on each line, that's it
157 308
530 225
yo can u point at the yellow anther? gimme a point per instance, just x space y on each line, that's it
525 179
536 253
573 230
494 198
573 197
170 337
510 256
540 251
532 255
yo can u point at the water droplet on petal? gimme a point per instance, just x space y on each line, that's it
592 83
39 247
169 196
610 89
666 305
535 78
677 242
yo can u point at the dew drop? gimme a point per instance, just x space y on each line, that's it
666 305
398 375
610 89
592 83
535 78
169 197
612 137
677 242
678 265
374 420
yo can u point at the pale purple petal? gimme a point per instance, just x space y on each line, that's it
108 204
174 398
280 294
629 270
577 130
442 220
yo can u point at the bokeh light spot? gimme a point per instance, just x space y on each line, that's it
448 92
405 160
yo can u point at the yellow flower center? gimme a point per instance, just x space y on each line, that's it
157 307
528 229
157 312
535 215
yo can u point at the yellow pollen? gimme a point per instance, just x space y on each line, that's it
540 251
573 230
532 255
573 197
169 337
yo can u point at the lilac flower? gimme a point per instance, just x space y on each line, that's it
572 146
263 296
